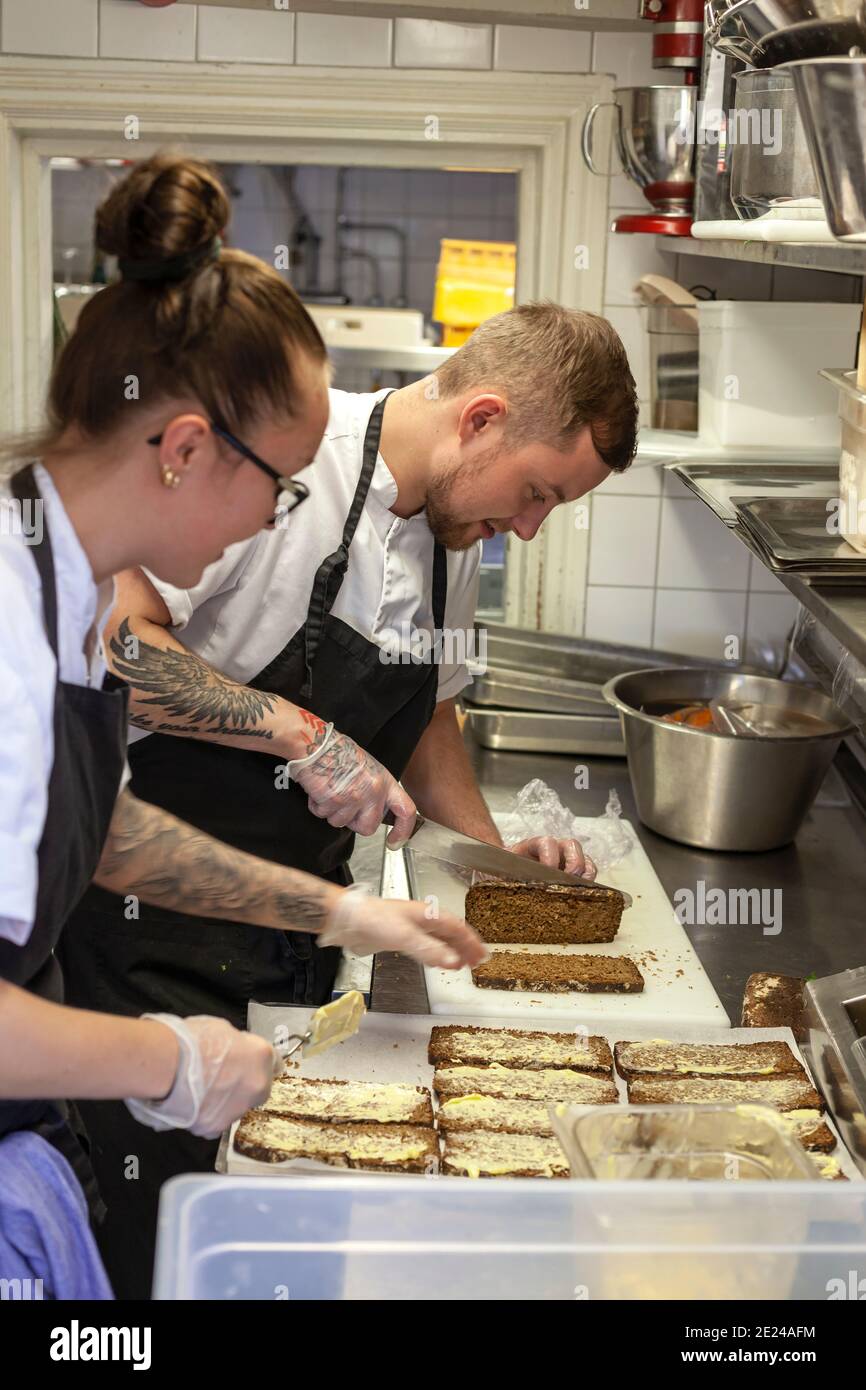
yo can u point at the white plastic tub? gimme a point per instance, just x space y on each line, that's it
758 371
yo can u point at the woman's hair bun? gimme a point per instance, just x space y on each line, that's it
164 207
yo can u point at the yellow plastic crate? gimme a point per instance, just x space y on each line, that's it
474 281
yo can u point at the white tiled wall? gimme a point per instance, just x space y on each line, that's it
660 570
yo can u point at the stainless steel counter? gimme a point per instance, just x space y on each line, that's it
822 877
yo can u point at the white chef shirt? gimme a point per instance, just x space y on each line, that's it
252 601
28 674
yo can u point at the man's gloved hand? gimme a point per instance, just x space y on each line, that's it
221 1072
347 787
365 924
559 854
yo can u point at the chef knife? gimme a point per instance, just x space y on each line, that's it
462 851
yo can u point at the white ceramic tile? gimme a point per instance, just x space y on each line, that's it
698 623
630 324
521 48
435 43
628 57
66 30
672 486
696 551
761 580
619 615
232 35
326 40
770 619
135 31
623 540
640 480
628 258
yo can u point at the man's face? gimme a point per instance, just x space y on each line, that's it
488 488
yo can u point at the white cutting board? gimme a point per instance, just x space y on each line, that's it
676 990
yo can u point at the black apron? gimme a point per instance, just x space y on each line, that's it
90 729
174 963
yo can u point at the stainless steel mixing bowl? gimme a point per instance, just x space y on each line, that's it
712 790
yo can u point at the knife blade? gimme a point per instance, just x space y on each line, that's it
462 851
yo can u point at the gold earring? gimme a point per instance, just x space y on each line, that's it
170 478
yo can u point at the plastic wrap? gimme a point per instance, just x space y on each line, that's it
537 810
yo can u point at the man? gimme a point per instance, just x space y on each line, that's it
276 716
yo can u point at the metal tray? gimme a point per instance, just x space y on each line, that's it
791 532
525 731
722 485
506 689
574 659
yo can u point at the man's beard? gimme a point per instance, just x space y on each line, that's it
448 528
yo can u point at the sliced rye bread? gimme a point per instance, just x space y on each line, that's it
662 1058
482 1154
807 1126
338 1102
782 1092
544 973
457 1114
514 1083
543 913
456 1044
389 1148
773 1001
828 1168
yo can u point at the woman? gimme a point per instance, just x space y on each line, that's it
176 385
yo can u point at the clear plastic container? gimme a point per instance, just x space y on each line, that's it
699 1142
403 1238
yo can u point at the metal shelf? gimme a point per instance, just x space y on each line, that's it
844 260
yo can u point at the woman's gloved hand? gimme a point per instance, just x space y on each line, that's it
558 854
221 1072
364 924
347 787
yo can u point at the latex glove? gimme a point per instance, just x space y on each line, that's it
559 854
348 787
220 1074
364 924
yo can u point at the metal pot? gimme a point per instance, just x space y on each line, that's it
831 93
765 33
655 138
712 790
764 184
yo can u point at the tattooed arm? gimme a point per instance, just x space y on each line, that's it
174 691
166 862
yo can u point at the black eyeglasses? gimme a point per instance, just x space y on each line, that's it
297 491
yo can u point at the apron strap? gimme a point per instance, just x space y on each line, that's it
332 571
24 487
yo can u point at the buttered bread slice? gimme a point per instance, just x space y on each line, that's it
466 1045
512 1083
662 1058
782 1092
338 1102
485 1155
388 1148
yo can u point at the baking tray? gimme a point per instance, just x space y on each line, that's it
530 731
521 651
393 1047
791 533
721 485
502 688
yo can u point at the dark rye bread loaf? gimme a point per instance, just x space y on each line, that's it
465 1044
543 913
782 1092
773 1001
483 1154
388 1148
662 1058
457 1114
512 1083
545 973
340 1102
